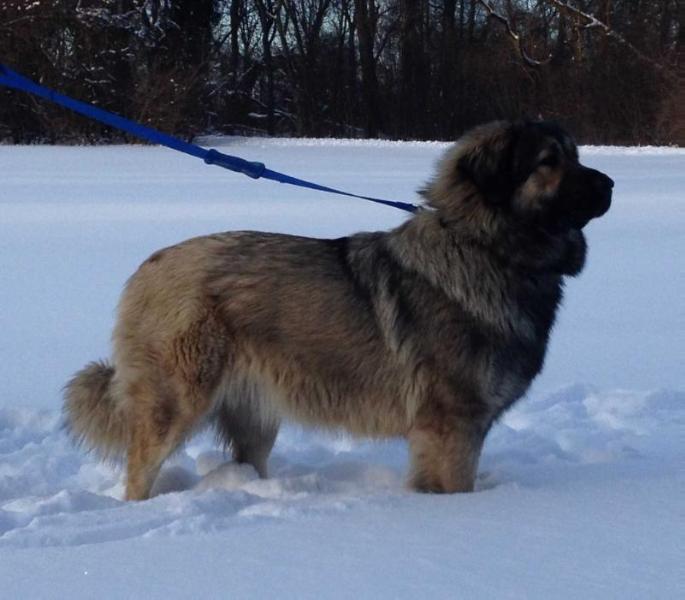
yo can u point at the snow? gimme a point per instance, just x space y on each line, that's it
581 485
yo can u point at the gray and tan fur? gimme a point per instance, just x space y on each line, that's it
428 331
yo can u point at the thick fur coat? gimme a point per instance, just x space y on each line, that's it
428 331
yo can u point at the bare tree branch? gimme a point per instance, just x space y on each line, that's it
592 22
516 38
583 20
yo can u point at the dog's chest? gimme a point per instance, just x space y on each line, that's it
517 355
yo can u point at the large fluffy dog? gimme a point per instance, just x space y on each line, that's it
428 331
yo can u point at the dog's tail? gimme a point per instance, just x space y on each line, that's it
92 416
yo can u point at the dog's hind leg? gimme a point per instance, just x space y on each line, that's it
163 411
160 420
249 428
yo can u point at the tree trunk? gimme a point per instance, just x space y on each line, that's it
365 34
413 76
236 17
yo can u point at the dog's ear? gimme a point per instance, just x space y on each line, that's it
488 165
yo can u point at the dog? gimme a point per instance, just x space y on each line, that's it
428 331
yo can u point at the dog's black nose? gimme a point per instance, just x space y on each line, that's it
605 193
603 184
602 180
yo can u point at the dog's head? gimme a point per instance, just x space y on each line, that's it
528 171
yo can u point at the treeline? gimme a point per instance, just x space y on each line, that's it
416 69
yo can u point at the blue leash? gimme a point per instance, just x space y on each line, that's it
256 170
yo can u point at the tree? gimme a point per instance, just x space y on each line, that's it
607 69
366 21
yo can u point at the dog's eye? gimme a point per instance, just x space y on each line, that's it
551 160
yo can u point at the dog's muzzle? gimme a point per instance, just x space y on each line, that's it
603 186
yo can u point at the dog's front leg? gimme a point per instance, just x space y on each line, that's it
444 455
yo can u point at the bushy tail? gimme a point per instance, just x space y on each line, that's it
91 414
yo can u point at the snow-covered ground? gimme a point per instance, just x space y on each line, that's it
582 486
